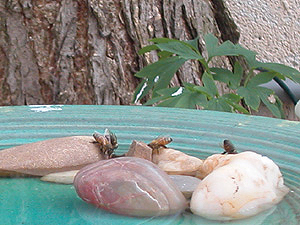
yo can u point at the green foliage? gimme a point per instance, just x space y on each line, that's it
173 54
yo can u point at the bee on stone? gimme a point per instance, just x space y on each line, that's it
228 147
159 142
107 142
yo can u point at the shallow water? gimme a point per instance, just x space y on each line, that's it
31 201
195 132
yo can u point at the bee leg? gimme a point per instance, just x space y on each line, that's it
110 152
155 151
117 156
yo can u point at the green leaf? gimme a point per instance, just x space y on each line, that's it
272 107
250 96
237 107
254 95
232 97
180 49
193 98
193 44
221 74
147 48
235 79
159 75
211 43
263 90
189 86
261 78
264 94
289 72
232 79
162 40
164 94
163 66
172 91
155 100
184 101
171 102
171 97
164 54
228 49
226 103
209 84
142 89
203 90
233 100
279 104
209 87
218 104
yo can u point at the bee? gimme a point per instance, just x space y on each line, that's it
112 138
100 139
107 142
228 147
160 141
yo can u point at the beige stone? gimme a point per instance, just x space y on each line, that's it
175 162
140 149
50 156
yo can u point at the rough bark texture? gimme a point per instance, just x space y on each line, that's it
85 51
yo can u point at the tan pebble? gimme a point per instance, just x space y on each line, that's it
50 156
176 162
140 149
66 177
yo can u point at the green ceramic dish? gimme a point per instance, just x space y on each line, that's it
198 133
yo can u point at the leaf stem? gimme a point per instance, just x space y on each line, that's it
205 65
249 76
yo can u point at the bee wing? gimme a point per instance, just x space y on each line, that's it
107 132
161 140
163 136
113 140
111 137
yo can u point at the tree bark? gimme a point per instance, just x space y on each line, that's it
85 51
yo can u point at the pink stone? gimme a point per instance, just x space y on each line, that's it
129 186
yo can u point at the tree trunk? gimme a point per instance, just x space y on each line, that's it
85 51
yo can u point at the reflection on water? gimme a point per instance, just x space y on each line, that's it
31 201
92 215
257 220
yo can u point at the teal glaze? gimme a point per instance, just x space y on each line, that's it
198 133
